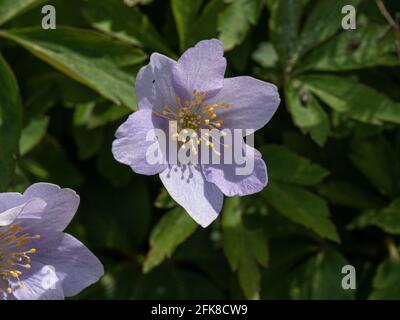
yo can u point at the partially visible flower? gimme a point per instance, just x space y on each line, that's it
193 93
37 259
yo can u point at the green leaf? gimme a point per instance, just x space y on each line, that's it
11 8
389 218
33 134
286 166
185 13
244 249
85 56
354 99
301 206
45 161
307 112
173 229
285 27
117 174
10 122
376 159
236 19
320 278
125 23
88 141
386 280
164 200
370 45
265 55
364 220
208 20
94 115
316 29
172 282
348 194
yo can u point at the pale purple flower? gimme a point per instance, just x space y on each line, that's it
37 259
193 92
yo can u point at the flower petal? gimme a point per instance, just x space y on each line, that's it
252 103
130 147
10 200
56 209
35 284
61 262
7 217
231 182
153 85
187 186
201 68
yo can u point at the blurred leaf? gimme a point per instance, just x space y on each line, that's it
316 29
41 101
208 20
185 13
265 55
389 218
244 249
307 112
348 194
94 115
286 166
10 123
353 98
286 257
365 219
33 134
45 161
11 8
320 278
88 141
376 159
198 252
385 283
370 45
125 23
168 282
164 200
285 27
173 229
117 174
86 56
116 219
301 206
118 282
235 20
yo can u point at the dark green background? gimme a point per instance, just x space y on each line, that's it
332 149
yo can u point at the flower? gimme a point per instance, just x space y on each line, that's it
37 259
193 93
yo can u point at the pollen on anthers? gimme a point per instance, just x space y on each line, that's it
194 115
15 257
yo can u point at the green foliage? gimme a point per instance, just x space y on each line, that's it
235 21
384 284
10 8
332 149
174 228
76 53
244 249
10 122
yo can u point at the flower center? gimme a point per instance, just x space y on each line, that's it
190 121
14 256
194 114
